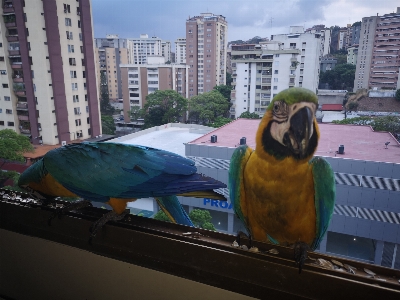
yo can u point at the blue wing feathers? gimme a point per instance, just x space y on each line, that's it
325 190
125 171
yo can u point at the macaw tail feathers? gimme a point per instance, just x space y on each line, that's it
204 194
174 210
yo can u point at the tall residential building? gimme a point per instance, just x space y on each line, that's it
206 46
261 71
140 48
180 51
110 53
378 60
140 81
48 78
325 38
352 53
342 35
166 50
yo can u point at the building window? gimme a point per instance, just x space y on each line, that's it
71 48
79 24
78 122
74 86
73 74
77 110
276 72
68 22
10 124
80 36
9 111
5 85
69 35
72 62
275 87
2 123
7 98
67 8
75 98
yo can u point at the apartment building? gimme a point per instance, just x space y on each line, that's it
140 81
261 71
49 88
325 38
180 51
110 53
342 36
206 46
352 53
378 60
140 48
166 50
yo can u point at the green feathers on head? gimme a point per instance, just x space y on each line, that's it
294 95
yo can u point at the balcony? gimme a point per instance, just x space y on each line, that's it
8 9
12 38
22 106
23 118
18 79
11 24
20 93
25 131
14 52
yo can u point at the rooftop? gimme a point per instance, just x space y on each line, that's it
170 137
360 142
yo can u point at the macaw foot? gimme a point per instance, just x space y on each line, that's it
73 206
300 253
241 235
110 216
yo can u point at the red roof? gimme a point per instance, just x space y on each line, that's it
360 142
335 107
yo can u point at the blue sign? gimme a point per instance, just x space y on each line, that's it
217 203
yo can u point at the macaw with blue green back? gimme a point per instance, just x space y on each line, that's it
118 173
280 192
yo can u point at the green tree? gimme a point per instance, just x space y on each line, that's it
249 115
225 91
201 218
12 148
164 107
161 216
105 106
397 96
108 125
342 77
206 107
136 113
220 121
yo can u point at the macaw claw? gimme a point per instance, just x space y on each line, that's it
110 216
241 235
300 253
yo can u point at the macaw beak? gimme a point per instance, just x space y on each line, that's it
300 131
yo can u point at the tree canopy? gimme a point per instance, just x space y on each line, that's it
342 77
164 107
225 91
12 148
107 124
249 115
13 145
220 121
206 107
201 218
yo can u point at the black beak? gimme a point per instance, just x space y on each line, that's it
300 129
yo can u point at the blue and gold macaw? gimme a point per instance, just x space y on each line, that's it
117 174
279 191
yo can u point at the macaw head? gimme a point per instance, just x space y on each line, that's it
289 128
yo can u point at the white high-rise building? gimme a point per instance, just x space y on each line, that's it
140 48
180 51
261 71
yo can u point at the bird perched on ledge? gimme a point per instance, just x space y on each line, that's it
117 174
280 192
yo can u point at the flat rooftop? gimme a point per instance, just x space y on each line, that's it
360 142
170 137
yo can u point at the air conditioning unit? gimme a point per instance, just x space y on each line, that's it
63 143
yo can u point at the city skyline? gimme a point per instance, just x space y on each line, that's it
243 24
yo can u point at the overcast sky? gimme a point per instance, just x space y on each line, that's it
166 19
